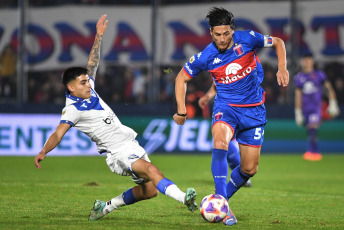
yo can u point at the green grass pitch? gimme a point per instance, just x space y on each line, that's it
287 193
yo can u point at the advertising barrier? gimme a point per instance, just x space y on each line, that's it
26 134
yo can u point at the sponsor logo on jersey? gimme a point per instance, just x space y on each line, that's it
309 88
217 60
231 72
192 59
238 50
218 116
233 69
133 156
252 33
107 121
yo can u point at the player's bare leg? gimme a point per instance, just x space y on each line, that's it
249 159
150 172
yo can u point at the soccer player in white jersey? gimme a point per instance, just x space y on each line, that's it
239 109
86 111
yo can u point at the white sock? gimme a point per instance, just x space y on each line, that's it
113 204
174 192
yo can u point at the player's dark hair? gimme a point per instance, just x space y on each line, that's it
307 55
71 73
218 16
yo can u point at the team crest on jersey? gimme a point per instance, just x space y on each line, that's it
218 116
192 59
238 50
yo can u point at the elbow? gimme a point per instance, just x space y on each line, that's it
278 42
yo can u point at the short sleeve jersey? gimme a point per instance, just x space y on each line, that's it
237 72
311 85
97 120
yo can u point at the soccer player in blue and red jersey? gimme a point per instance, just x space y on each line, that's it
308 99
239 103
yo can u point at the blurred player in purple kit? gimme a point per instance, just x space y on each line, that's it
239 103
308 100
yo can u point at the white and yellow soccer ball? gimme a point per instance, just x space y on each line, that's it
214 208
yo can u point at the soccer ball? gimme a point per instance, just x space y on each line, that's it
214 208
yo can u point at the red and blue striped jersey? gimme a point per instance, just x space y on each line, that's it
237 72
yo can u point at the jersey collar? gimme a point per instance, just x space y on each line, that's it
74 98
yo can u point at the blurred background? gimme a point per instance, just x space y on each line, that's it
145 46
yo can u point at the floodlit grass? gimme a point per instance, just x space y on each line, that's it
287 193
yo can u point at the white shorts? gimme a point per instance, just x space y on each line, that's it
119 161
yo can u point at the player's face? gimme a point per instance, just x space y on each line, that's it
222 36
307 64
80 87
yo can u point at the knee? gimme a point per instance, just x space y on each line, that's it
155 193
250 171
219 143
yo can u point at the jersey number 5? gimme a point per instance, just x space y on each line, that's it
258 133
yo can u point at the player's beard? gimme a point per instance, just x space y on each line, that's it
226 48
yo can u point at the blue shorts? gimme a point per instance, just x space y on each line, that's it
247 123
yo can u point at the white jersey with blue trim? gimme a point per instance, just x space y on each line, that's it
237 72
97 120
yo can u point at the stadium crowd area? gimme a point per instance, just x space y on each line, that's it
119 84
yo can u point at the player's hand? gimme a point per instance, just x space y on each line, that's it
333 108
180 120
38 159
102 24
283 77
203 101
299 117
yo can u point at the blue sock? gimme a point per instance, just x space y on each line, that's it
237 179
163 184
128 197
219 168
233 154
313 140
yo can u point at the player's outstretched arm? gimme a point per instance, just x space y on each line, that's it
282 74
94 57
51 143
180 91
204 100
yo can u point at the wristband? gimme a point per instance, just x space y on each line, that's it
182 115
